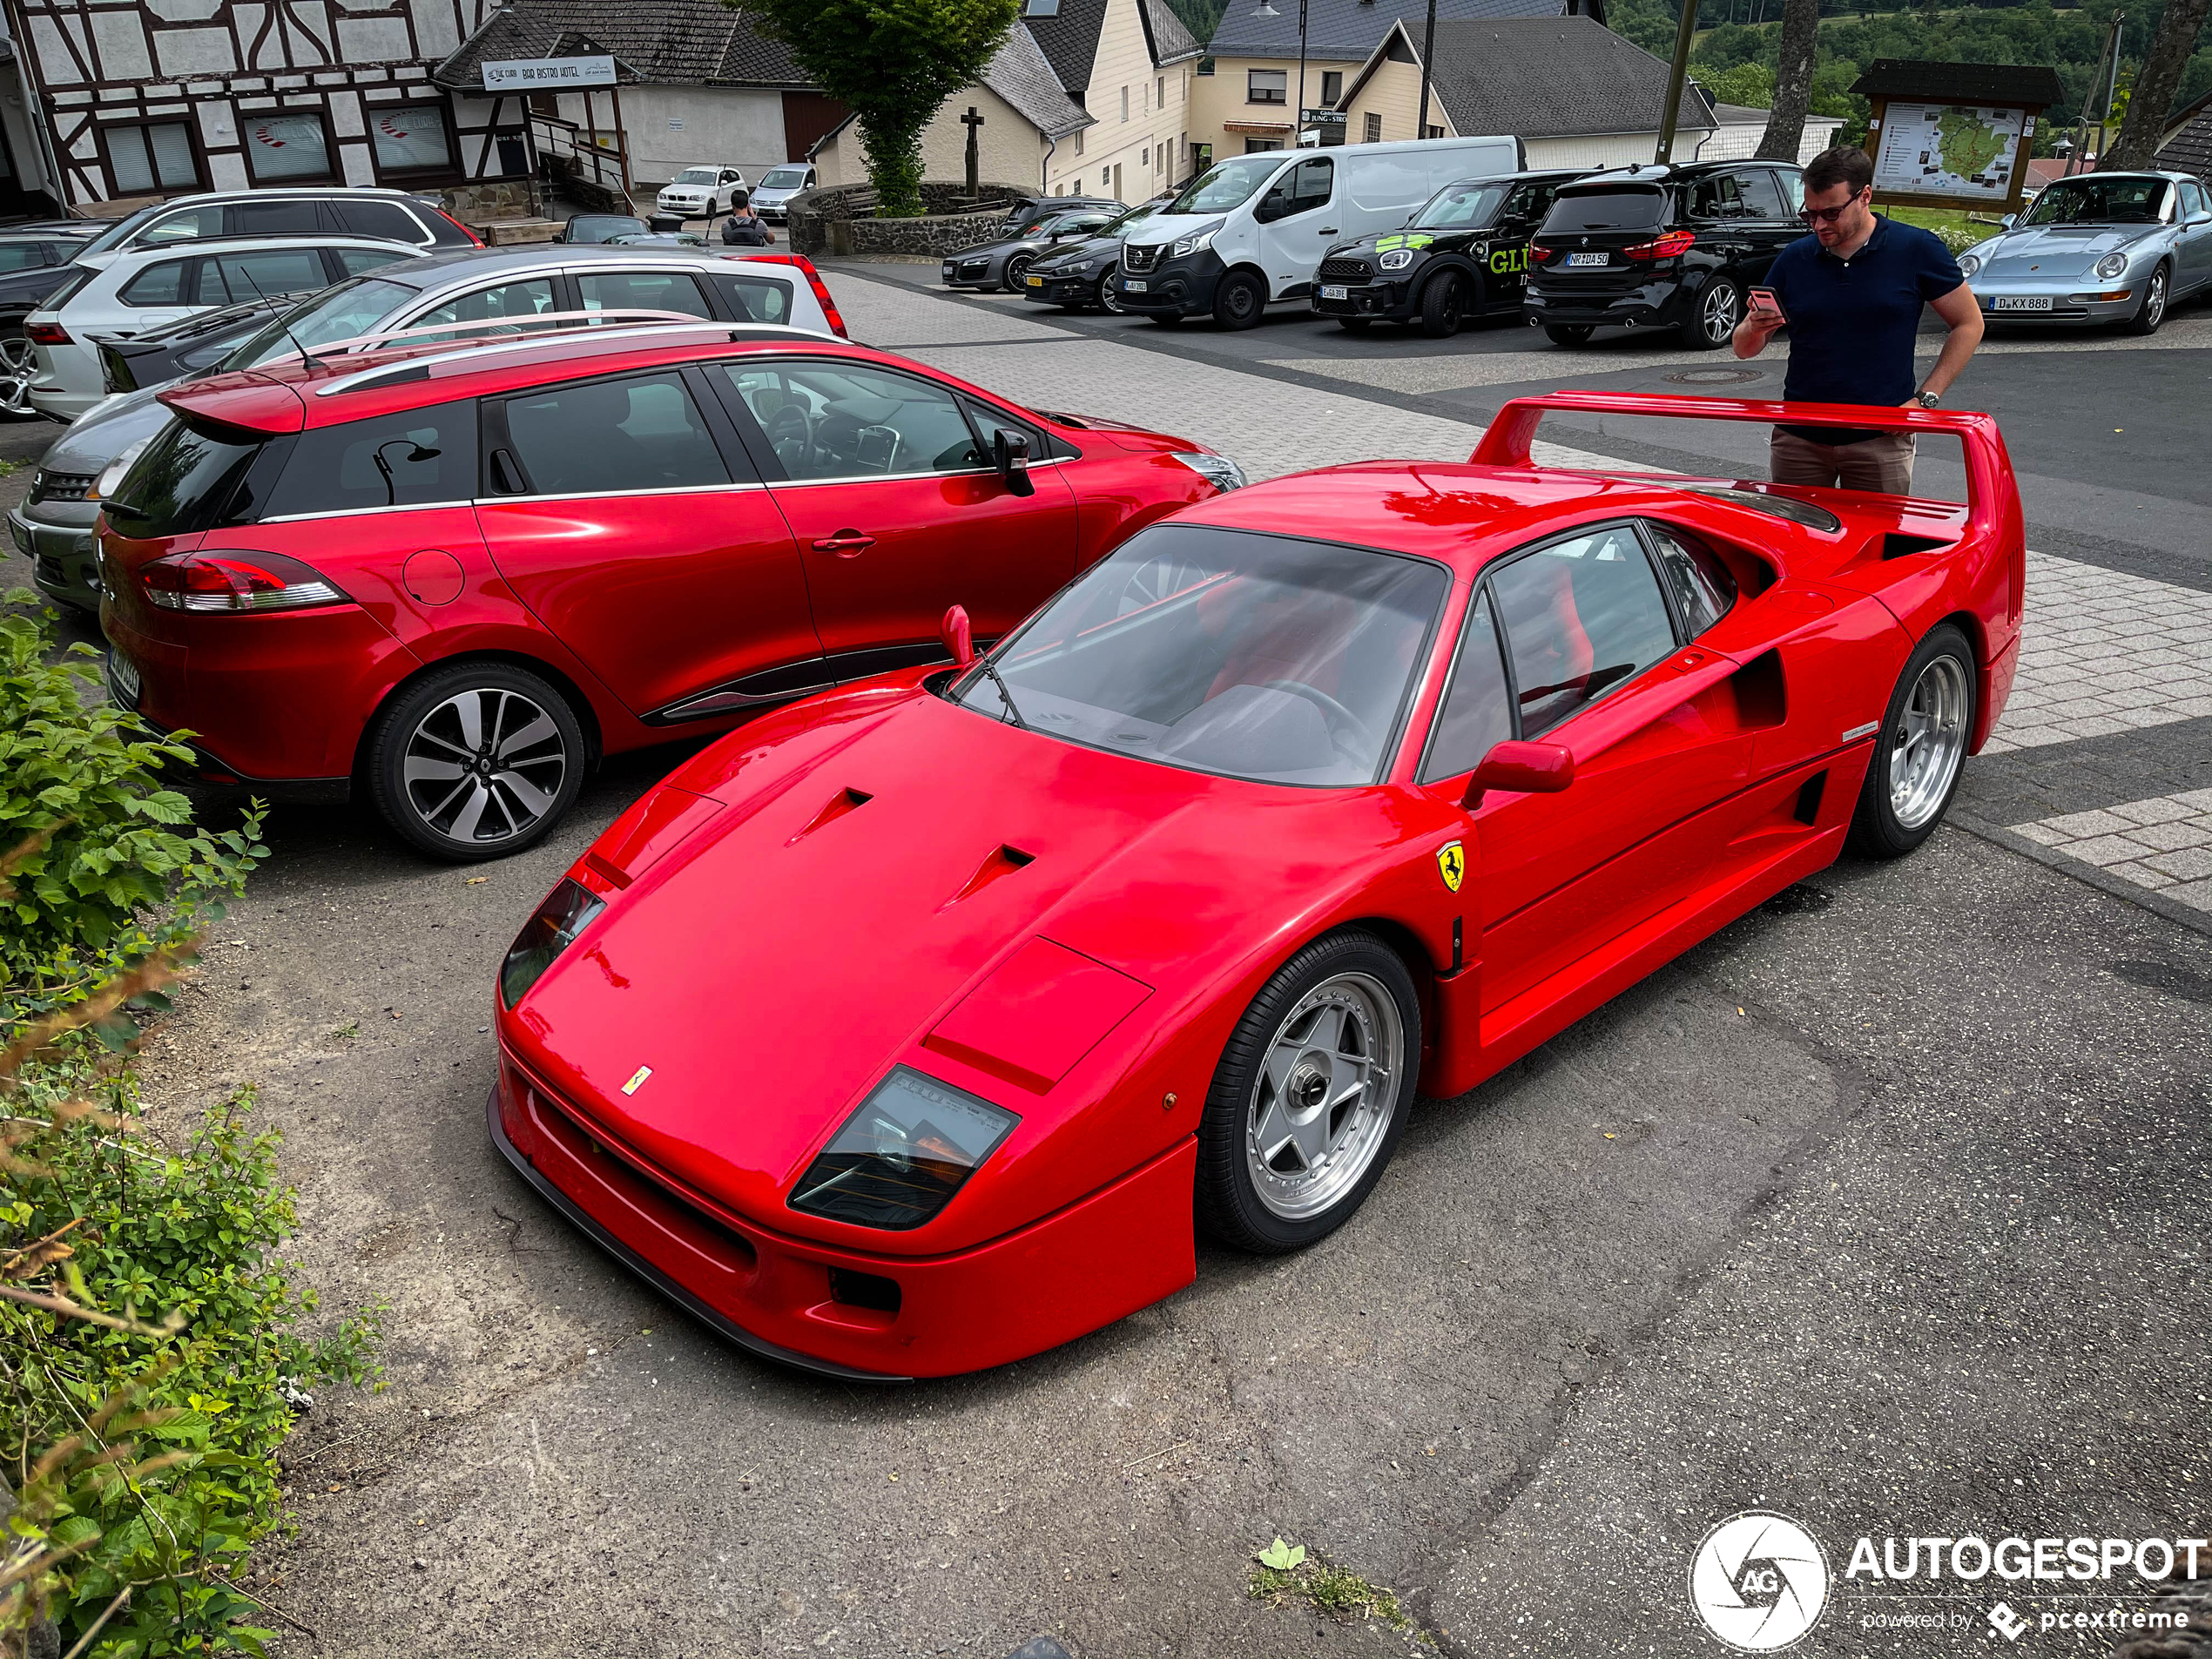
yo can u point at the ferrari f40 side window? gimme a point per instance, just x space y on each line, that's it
1477 705
1582 616
1703 589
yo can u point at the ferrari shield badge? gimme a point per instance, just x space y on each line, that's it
1452 865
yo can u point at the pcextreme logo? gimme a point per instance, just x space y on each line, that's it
1759 1581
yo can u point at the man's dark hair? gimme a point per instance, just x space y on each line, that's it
1845 164
741 200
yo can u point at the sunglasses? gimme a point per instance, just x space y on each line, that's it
1830 215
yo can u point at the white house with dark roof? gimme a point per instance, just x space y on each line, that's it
1576 94
1249 98
1130 65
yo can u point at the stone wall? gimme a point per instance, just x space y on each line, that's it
840 219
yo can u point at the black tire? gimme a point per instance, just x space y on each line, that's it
1016 268
1109 301
1239 302
517 804
1354 325
1229 1204
1713 317
1444 305
1942 659
1569 333
2152 311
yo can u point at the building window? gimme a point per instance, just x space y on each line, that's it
1267 86
1144 157
1332 86
1125 103
411 138
159 156
1164 92
1260 147
1371 131
1079 141
1433 133
1042 8
294 145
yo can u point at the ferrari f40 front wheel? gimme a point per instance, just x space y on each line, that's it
1311 1096
1921 748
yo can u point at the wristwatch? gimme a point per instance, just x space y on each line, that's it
1925 399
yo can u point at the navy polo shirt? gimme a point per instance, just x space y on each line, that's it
1852 321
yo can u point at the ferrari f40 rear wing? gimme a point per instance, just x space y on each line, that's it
1992 495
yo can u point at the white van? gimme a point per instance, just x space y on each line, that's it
1253 229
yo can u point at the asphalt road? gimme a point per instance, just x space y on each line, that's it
1886 1209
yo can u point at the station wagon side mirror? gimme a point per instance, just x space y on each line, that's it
959 637
1522 769
1010 454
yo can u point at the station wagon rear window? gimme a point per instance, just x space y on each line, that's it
1634 207
182 482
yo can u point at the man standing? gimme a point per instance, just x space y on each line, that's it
1851 293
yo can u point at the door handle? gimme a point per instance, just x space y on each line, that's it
844 544
1328 230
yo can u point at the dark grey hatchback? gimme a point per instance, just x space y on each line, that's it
1002 264
1660 248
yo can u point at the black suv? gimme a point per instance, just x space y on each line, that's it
1664 248
1464 255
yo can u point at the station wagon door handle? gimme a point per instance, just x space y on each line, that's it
844 544
1328 230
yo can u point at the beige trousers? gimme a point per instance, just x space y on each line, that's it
1883 463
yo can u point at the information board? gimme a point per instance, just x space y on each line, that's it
1956 151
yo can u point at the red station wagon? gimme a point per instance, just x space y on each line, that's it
455 578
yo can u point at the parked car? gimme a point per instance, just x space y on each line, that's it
1298 803
699 192
152 286
600 228
452 297
1075 276
34 261
1253 229
1026 208
1464 254
1660 248
309 210
2104 248
777 185
658 239
52 526
582 561
1004 263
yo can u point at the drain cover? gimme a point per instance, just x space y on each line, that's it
1717 376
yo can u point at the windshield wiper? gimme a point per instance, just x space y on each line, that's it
1006 697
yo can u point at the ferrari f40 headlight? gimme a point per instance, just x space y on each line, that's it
899 1158
2112 265
567 911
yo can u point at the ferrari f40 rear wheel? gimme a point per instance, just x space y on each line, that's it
1921 748
1311 1096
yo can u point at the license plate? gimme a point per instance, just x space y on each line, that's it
1589 259
1335 291
123 675
1132 284
2020 302
1037 282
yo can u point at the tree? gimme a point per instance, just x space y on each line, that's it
1785 121
2156 82
895 62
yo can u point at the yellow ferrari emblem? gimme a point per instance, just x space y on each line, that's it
1452 864
637 1079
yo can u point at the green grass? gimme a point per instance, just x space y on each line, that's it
1959 229
1328 1588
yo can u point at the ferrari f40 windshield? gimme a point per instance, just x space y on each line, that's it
1230 651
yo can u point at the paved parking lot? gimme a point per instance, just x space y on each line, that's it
1884 1208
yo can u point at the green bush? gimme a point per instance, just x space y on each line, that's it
117 867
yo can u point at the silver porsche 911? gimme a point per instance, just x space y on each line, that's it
2101 248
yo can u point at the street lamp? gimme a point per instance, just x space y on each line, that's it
1297 124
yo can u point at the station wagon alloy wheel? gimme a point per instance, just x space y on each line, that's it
18 367
1324 1096
1716 313
1927 743
476 761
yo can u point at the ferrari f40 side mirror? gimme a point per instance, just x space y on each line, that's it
1522 769
1010 454
959 637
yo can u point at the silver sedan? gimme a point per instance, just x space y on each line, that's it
2103 247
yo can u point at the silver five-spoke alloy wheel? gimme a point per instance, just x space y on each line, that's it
1328 1087
1928 742
19 367
483 766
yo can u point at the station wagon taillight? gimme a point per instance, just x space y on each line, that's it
806 267
46 334
225 581
1672 245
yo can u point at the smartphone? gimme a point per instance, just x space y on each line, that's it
1763 300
